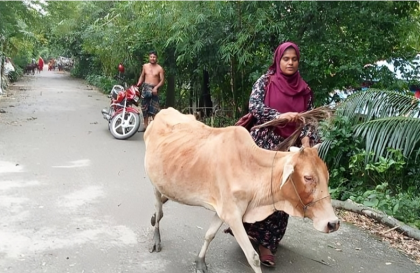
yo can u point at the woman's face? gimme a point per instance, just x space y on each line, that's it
289 63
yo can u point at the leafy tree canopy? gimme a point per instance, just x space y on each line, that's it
233 41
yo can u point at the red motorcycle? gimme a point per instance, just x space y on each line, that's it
123 120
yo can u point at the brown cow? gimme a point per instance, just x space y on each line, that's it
223 170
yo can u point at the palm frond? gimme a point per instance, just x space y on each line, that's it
402 133
373 104
325 147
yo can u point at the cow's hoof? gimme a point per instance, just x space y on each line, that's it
201 266
155 247
202 270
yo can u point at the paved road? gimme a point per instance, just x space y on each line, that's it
74 199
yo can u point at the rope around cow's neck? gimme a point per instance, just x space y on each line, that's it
305 207
272 174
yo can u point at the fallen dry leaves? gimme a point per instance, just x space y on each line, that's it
407 245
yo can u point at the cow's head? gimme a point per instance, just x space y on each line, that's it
305 187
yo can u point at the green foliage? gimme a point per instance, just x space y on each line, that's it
85 66
384 119
15 75
336 150
22 59
385 185
338 141
392 168
233 41
373 104
371 146
19 29
219 121
403 206
103 83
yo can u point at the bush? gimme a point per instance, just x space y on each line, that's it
105 84
371 174
338 136
15 75
389 184
404 206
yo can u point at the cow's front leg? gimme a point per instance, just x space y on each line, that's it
242 238
215 224
156 236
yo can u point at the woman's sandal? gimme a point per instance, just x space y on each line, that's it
267 260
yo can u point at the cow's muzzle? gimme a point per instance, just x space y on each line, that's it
333 226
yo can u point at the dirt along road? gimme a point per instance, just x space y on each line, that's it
74 199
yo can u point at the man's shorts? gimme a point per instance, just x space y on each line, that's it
149 105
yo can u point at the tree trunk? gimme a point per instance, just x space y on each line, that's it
170 63
379 216
191 97
1 72
205 100
170 91
233 82
2 49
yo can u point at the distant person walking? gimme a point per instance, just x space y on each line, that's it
40 64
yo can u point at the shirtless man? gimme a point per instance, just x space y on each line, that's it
152 77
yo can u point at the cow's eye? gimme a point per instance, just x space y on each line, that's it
308 178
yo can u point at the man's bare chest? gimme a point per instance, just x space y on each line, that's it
154 72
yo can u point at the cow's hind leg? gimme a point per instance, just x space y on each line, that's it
156 236
153 218
242 238
215 224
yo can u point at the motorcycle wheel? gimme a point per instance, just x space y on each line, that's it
141 128
123 127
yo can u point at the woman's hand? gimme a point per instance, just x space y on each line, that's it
290 116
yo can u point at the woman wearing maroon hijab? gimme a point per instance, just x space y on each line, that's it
279 92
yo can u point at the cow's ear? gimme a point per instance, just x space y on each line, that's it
317 147
287 171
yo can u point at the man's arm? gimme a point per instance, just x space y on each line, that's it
161 77
141 78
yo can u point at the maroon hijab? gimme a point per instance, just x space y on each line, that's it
286 93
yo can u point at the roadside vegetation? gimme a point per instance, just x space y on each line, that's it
372 147
213 52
